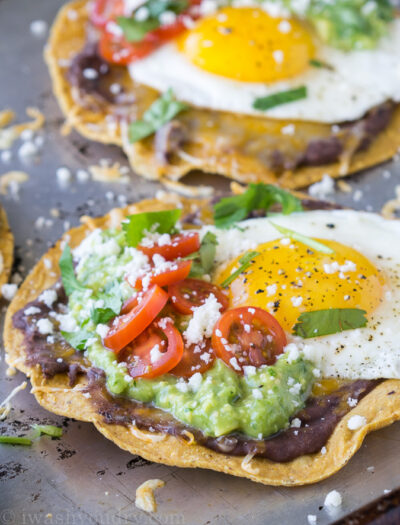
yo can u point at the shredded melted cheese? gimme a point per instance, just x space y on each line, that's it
145 499
8 135
246 464
392 206
5 406
17 177
149 437
107 173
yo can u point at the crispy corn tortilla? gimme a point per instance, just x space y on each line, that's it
68 37
6 248
379 408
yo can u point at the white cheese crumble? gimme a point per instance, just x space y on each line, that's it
352 402
195 381
202 323
296 423
63 176
271 289
67 322
102 330
296 301
155 354
356 422
48 297
38 28
8 291
234 363
323 451
32 310
312 519
45 326
323 188
333 499
257 394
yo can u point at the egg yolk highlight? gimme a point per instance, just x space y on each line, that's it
288 278
247 44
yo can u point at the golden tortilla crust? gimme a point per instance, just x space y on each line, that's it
6 248
68 37
378 407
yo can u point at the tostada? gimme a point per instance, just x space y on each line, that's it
260 91
256 336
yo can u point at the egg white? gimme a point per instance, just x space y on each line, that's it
367 353
360 80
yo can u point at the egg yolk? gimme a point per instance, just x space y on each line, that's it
288 278
247 44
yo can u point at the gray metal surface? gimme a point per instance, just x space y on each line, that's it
83 478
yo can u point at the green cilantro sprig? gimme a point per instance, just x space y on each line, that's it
159 113
260 196
137 225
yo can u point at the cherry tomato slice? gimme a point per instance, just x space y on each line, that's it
248 336
191 293
177 271
156 351
117 50
181 245
124 328
196 358
103 10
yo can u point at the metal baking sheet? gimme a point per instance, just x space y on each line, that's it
83 478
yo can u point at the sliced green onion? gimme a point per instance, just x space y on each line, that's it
13 440
245 263
321 65
315 245
49 430
283 97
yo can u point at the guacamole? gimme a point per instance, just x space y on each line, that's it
220 401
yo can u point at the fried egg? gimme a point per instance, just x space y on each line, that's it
288 278
237 54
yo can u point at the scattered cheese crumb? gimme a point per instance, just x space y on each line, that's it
333 499
203 321
45 326
48 297
145 499
312 519
63 176
38 28
8 291
323 188
356 422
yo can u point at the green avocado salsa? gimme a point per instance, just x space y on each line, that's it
220 401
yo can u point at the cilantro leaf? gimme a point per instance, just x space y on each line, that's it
331 321
49 430
312 243
151 221
203 260
77 339
112 302
68 277
158 7
159 113
282 97
246 262
257 197
135 30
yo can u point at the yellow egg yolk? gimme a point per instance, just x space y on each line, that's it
247 44
288 278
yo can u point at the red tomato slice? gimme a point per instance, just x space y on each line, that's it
177 271
250 335
191 293
117 50
181 245
195 360
124 328
103 10
156 351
